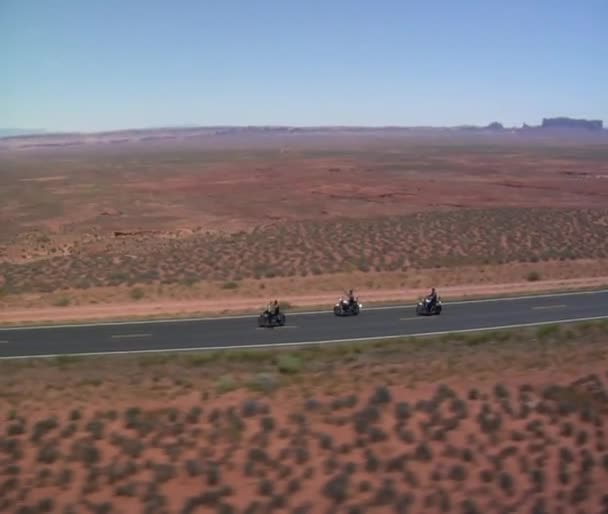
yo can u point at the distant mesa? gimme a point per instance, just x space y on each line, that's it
572 123
495 125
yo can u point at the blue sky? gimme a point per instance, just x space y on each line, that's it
98 65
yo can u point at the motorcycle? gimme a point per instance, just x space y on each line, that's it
344 308
424 308
271 320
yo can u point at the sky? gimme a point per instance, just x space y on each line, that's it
88 65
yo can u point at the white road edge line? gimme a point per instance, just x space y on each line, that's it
4 342
295 313
307 343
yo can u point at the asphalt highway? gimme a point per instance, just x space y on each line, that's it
312 327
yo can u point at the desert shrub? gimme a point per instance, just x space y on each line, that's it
336 488
366 417
284 472
489 422
505 481
11 447
354 509
131 447
48 453
194 415
42 427
579 493
330 465
380 396
344 402
457 473
539 507
304 508
96 429
533 276
15 429
582 438
258 455
501 391
225 384
62 301
193 468
376 435
265 487
349 468
289 363
386 494
128 490
267 423
587 462
301 455
547 331
46 505
397 463
406 436
538 479
438 435
326 441
311 404
403 503
264 382
467 455
566 430
566 455
137 293
249 408
605 462
85 452
402 411
12 469
213 474
469 506
230 285
423 453
164 472
486 476
459 408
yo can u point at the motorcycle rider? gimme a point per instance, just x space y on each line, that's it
432 299
351 297
275 308
269 309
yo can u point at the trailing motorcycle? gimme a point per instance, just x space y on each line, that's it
345 308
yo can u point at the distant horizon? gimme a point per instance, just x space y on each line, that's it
43 131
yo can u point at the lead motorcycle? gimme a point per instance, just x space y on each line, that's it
424 307
344 308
